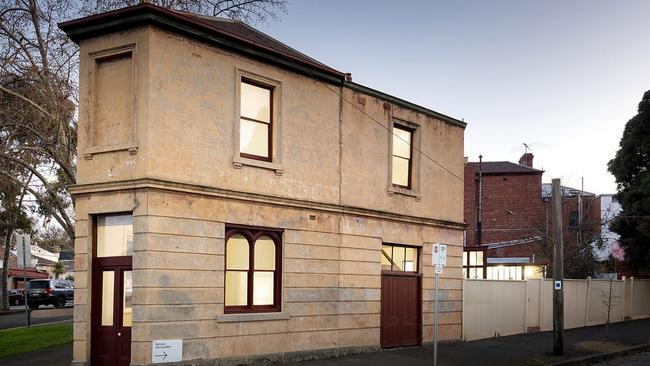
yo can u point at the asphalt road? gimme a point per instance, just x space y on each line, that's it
642 359
40 316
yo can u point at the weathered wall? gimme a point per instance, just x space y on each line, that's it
333 164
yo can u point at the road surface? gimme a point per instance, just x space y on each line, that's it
40 316
642 359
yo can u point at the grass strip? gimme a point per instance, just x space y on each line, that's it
21 340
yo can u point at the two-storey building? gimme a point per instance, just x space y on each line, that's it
247 201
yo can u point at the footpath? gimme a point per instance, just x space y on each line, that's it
583 346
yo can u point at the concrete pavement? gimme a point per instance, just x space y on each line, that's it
528 350
40 316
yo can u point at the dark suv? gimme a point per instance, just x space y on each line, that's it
49 292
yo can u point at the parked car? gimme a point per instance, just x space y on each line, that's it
16 297
49 292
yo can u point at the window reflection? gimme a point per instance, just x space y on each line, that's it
127 311
401 162
108 297
114 235
399 258
255 120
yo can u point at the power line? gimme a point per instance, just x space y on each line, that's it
309 73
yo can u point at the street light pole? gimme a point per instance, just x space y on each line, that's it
558 270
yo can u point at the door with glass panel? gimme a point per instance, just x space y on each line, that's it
401 297
112 289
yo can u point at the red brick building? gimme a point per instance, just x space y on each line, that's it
507 210
506 218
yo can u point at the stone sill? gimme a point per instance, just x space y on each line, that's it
252 317
238 162
404 191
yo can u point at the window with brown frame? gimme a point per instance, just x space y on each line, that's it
474 264
402 161
255 120
253 269
399 258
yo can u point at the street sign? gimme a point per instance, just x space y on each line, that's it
558 285
439 255
166 350
24 251
439 261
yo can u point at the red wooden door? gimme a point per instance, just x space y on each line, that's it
111 311
400 310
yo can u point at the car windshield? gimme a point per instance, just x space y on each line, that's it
38 284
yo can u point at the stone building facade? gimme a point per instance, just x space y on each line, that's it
192 227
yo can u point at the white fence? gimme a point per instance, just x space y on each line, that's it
497 308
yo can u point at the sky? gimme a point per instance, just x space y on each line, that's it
561 76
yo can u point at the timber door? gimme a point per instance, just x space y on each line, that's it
401 297
112 289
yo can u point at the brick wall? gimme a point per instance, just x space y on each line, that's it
512 207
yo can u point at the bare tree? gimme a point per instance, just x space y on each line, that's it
39 97
247 11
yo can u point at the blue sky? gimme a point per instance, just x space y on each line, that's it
515 71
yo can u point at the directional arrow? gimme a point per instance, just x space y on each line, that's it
164 355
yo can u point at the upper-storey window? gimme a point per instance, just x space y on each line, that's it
402 156
256 121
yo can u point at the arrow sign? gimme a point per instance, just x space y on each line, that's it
166 350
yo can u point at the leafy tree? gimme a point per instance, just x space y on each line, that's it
69 278
58 270
631 168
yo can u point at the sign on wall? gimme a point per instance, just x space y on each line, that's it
166 350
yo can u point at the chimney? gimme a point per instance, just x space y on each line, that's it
527 159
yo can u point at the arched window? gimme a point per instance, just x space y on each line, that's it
252 273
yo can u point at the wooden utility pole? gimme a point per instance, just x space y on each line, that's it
558 270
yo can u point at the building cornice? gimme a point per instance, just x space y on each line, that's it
403 103
148 14
179 187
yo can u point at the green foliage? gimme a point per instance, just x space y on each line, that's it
69 278
58 270
631 169
21 340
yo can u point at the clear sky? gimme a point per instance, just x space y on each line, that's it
562 76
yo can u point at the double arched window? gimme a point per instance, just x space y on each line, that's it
253 275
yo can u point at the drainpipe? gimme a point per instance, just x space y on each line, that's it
480 200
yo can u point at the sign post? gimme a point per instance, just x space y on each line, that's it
439 261
24 247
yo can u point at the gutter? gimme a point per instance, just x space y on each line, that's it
147 14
